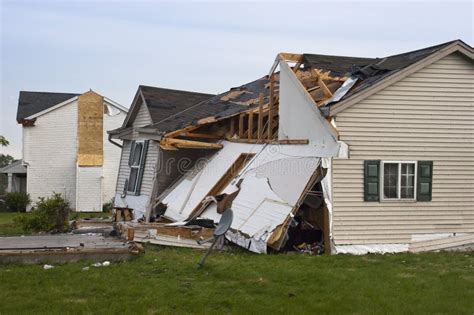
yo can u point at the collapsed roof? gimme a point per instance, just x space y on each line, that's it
224 105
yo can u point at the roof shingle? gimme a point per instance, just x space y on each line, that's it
30 103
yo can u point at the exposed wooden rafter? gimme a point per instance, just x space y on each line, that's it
168 143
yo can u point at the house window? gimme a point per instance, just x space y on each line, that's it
136 162
398 180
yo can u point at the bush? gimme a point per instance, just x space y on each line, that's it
16 201
49 215
106 207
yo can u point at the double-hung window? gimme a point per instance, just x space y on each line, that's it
398 180
136 162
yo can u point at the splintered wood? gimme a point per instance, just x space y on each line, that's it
90 129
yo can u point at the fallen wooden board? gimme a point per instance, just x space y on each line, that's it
62 248
442 243
166 240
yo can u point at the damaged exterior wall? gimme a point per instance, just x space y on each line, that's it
297 109
273 181
140 202
428 115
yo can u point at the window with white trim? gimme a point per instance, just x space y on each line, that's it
398 180
136 162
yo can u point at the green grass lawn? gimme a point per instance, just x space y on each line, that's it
165 280
7 226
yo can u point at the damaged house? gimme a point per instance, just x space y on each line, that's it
65 147
141 156
326 153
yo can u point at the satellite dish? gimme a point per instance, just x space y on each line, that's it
224 223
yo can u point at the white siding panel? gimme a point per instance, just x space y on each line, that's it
89 187
137 203
112 155
426 116
49 149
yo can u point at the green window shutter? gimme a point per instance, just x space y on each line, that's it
371 180
142 166
425 181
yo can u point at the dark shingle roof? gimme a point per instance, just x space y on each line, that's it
30 103
223 105
163 103
369 70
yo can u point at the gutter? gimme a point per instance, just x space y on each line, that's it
113 142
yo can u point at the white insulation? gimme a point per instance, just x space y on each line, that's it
371 248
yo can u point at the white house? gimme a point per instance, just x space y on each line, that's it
66 148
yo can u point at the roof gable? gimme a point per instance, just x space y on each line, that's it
34 104
162 103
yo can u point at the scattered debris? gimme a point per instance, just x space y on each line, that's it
64 248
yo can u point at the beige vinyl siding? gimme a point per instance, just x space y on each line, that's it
428 115
143 118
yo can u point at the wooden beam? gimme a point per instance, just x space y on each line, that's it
260 116
321 83
178 132
232 126
241 125
270 108
325 89
291 57
189 144
250 126
167 147
298 64
199 135
271 141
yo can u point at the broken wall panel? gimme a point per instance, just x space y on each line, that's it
90 129
195 185
263 203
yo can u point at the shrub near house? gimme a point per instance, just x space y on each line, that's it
49 215
16 202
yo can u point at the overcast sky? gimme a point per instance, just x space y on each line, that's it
112 47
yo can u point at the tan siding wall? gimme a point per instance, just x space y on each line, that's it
143 118
426 116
